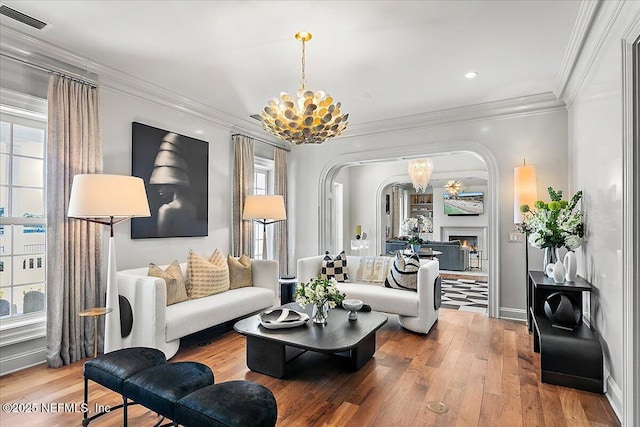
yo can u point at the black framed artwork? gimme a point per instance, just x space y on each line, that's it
175 170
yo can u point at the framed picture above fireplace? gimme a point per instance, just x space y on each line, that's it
470 203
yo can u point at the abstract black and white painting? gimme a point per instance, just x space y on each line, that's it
175 170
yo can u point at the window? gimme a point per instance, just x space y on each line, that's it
262 184
22 213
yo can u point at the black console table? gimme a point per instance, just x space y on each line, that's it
568 357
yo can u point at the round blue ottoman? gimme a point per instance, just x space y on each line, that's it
229 404
160 387
113 368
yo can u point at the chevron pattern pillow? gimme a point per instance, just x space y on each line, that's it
404 273
207 276
334 267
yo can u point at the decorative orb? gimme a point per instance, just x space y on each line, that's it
562 310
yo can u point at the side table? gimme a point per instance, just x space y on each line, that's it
95 313
287 288
568 357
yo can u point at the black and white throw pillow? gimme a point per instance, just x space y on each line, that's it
404 272
334 267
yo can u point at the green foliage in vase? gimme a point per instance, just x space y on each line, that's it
554 224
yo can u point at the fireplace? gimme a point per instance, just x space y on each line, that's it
466 240
476 237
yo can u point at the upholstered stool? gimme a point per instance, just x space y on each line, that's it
160 387
229 404
112 369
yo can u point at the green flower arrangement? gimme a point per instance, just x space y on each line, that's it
554 224
318 291
415 240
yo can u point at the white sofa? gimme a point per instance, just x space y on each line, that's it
160 326
415 310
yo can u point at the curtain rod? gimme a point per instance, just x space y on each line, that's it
49 70
273 144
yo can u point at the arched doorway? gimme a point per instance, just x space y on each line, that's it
331 171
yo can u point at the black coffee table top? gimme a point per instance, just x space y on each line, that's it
339 334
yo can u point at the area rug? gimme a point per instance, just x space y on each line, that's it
465 295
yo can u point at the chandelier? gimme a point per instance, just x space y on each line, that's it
420 173
453 187
311 119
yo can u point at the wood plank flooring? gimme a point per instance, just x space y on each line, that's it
483 369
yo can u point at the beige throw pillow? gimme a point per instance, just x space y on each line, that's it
240 274
173 277
373 269
207 276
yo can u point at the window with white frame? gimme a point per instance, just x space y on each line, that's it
22 213
262 184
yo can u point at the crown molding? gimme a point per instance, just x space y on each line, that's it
602 22
584 21
22 47
512 107
28 49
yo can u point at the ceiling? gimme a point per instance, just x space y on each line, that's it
381 59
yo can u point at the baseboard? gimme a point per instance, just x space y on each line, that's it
613 394
515 314
23 360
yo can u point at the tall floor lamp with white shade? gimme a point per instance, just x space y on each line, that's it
109 200
265 210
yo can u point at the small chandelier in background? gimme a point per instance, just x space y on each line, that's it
453 187
420 173
311 119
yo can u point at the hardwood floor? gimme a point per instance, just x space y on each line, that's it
483 369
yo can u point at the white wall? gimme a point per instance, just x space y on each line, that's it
596 159
541 138
118 112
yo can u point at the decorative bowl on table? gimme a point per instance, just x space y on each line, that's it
280 318
353 305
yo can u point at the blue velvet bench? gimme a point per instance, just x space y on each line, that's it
112 369
228 404
183 392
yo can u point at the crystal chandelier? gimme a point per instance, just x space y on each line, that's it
420 173
453 187
311 119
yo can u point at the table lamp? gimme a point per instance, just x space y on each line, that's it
265 210
109 200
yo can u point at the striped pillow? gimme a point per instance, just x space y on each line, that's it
404 272
334 267
207 276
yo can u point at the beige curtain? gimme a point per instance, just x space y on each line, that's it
282 227
73 246
242 185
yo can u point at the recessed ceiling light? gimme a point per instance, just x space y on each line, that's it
471 75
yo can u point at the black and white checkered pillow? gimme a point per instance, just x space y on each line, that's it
404 272
334 267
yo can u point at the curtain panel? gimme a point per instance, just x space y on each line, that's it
242 231
73 247
282 227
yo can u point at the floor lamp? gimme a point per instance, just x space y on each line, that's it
109 200
265 210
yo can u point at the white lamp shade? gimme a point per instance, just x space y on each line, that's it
264 207
103 196
525 190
